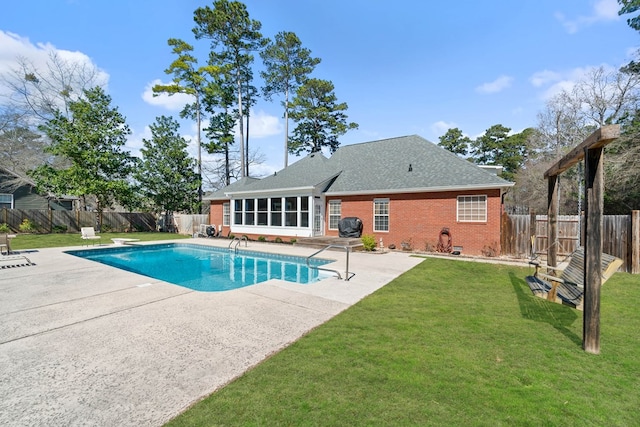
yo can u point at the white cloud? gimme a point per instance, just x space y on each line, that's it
171 102
263 125
541 78
602 11
15 48
441 127
498 85
554 82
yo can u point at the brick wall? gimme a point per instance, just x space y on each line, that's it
215 215
418 219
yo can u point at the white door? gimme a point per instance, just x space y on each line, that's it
318 216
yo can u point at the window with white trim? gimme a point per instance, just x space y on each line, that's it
276 212
381 215
472 208
6 201
226 214
304 211
237 211
335 212
263 211
291 211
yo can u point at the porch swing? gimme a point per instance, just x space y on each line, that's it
567 285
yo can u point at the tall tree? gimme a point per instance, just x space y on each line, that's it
496 147
166 175
222 120
630 6
287 67
91 142
453 140
192 80
319 118
233 37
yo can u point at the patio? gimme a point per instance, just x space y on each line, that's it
82 343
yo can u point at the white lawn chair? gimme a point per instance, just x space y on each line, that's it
88 233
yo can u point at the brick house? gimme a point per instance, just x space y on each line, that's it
405 190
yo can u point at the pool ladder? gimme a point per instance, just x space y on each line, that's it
237 241
347 250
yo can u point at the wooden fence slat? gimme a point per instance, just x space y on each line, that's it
617 234
47 221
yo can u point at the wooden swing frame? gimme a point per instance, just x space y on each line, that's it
592 151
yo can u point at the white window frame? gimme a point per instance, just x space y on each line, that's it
472 208
377 214
226 214
334 218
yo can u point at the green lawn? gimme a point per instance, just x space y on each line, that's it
36 241
448 343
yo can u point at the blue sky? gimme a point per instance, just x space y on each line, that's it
403 67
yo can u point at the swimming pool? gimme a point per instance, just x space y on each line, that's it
206 268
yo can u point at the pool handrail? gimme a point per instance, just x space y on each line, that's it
347 250
238 240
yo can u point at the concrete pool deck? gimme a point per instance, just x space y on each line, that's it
83 343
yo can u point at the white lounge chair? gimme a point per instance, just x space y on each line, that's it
88 233
9 261
5 245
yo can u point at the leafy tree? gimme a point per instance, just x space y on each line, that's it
91 143
233 37
166 175
496 147
190 79
288 65
319 118
630 6
453 140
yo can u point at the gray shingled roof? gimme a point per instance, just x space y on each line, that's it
377 167
384 166
310 171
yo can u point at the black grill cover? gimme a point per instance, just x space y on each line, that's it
350 227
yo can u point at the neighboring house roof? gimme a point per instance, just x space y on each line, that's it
395 165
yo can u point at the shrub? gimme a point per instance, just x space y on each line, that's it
490 250
262 239
293 241
369 242
27 226
4 228
59 229
278 240
430 246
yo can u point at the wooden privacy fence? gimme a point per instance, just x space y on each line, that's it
620 236
49 221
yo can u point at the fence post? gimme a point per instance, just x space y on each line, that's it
533 226
635 243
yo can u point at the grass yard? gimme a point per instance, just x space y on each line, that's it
447 343
58 240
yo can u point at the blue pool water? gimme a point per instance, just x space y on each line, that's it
204 268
